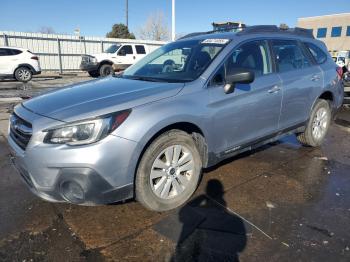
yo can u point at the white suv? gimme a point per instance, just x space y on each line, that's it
117 57
18 63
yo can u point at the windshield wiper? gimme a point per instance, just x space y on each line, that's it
145 78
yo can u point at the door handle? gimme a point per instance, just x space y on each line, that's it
273 90
134 57
315 78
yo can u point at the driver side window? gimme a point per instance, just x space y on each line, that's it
125 50
254 56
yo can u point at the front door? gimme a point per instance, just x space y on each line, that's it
125 55
252 111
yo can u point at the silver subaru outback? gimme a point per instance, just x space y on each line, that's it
147 133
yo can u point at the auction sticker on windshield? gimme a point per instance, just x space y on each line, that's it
220 41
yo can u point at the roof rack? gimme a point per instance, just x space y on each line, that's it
197 34
260 29
274 29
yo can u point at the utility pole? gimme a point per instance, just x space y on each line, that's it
127 13
173 21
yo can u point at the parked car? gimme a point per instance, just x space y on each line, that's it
343 58
346 80
149 132
18 63
117 57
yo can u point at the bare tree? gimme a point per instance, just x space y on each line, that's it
180 35
46 30
156 28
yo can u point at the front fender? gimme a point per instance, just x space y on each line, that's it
147 120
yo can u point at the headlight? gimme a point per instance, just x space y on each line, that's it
93 59
86 132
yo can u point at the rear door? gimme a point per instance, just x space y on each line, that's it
140 51
8 60
300 79
252 111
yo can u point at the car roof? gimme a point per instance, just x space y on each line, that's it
259 30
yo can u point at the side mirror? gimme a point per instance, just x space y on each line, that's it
122 52
238 76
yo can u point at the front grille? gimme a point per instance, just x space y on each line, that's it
85 59
20 131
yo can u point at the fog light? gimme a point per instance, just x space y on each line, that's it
72 192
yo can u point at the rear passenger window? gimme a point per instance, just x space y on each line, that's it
15 52
3 52
6 51
253 56
289 55
140 49
317 53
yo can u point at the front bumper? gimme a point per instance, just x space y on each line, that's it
88 66
104 171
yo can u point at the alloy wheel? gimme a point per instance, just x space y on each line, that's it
24 74
171 171
320 123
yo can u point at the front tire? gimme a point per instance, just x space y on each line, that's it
169 171
23 74
94 73
317 126
106 70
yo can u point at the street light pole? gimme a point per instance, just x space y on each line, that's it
127 14
173 21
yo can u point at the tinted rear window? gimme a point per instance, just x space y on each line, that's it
16 52
140 49
8 51
317 53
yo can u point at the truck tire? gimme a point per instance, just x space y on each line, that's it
23 74
94 73
169 171
317 126
105 70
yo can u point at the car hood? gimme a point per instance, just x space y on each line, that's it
102 56
99 97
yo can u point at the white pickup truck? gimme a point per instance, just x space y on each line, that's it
116 58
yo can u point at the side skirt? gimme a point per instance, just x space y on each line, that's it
236 150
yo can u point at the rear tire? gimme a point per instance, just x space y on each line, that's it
94 73
317 127
23 74
106 70
168 172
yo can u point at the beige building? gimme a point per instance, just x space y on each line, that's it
333 30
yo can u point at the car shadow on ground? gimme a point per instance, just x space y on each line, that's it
204 230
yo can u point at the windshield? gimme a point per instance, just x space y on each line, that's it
181 61
112 49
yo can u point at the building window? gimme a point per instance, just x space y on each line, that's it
336 31
348 31
321 32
